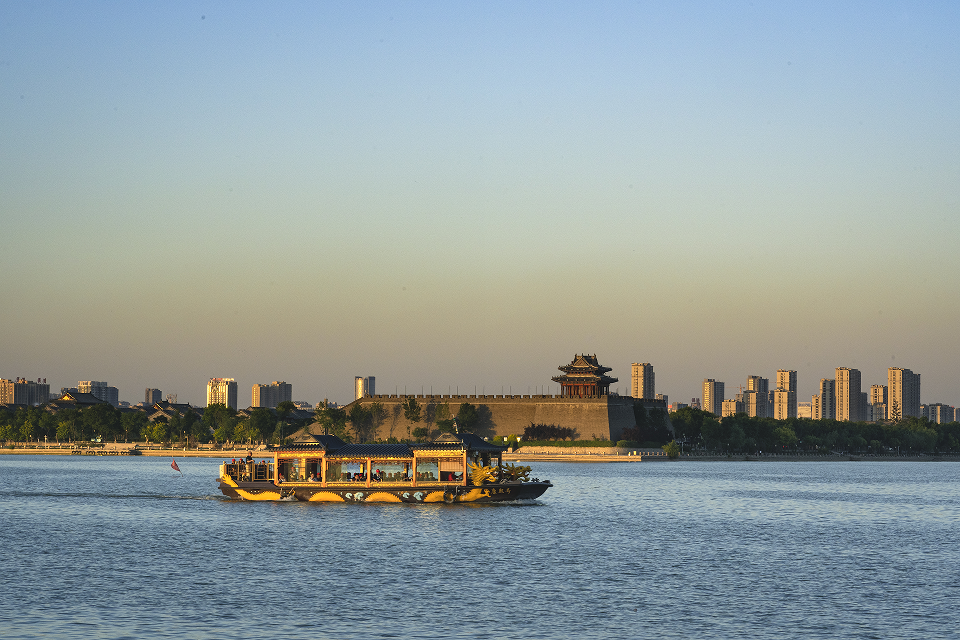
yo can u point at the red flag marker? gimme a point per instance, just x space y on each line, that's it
174 465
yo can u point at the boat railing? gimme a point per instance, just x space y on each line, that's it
250 471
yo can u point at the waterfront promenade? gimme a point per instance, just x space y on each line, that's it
124 449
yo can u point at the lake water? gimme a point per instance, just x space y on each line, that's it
126 548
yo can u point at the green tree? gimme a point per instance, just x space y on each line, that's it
261 424
377 417
195 427
26 424
131 423
672 449
333 420
895 413
159 431
361 421
48 425
243 432
69 425
175 426
284 409
412 410
712 432
785 437
688 423
442 419
224 431
64 431
467 417
219 419
102 420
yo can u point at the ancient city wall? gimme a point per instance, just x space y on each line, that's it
603 417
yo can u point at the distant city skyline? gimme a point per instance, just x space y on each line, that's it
414 191
910 397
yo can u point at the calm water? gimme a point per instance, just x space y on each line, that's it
126 548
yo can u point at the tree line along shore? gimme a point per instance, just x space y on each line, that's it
687 432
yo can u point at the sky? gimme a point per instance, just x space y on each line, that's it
461 196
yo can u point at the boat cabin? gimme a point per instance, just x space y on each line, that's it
329 461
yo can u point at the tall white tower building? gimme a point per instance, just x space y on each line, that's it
713 396
222 391
848 394
642 381
903 393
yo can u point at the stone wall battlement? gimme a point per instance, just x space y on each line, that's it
601 417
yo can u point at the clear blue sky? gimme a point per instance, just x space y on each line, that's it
468 194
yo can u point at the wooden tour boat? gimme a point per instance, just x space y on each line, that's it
456 467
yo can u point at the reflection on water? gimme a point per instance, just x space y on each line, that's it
125 547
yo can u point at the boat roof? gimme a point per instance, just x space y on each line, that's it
469 441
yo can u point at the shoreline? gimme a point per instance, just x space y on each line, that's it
537 457
122 450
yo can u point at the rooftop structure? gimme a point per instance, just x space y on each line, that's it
584 377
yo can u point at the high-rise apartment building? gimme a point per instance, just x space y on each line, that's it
787 379
713 396
642 381
23 391
755 403
785 395
758 383
938 412
151 397
365 386
878 394
94 387
100 390
825 404
848 394
756 398
731 407
222 391
270 395
877 404
784 404
903 393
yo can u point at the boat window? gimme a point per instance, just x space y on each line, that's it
346 470
292 470
428 470
391 470
451 469
313 469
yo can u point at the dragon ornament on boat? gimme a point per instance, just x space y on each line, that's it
481 474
